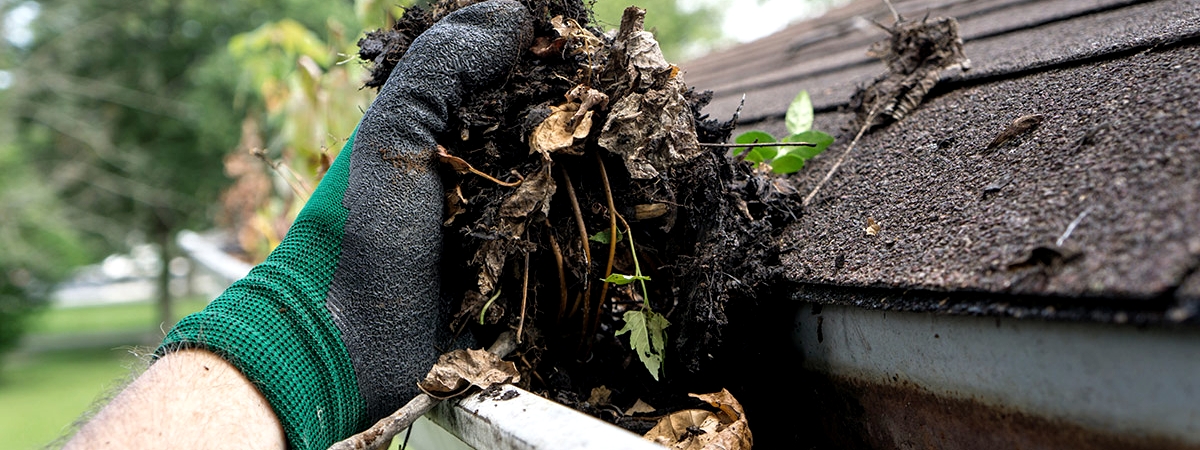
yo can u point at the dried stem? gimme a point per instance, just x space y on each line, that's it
612 245
524 297
462 165
761 144
299 187
841 159
583 236
562 274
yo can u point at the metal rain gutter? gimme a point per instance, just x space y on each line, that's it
941 381
516 419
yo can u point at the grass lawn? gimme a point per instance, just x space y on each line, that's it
119 317
43 392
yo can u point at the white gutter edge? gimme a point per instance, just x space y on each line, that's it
208 255
527 421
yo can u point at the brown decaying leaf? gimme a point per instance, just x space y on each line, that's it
697 429
568 123
532 197
650 124
454 204
640 407
916 53
600 396
580 39
1021 125
458 370
872 227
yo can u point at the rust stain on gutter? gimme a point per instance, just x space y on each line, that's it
901 415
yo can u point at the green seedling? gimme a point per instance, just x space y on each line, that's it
785 159
647 329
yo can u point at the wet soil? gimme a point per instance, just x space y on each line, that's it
517 258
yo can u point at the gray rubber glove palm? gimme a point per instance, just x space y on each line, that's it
344 317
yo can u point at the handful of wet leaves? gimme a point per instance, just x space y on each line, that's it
591 144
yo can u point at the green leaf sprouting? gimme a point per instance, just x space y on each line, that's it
648 337
786 159
602 237
799 116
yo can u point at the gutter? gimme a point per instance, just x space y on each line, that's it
890 379
515 419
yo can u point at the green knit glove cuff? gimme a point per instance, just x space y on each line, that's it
273 325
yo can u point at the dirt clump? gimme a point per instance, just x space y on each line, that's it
593 136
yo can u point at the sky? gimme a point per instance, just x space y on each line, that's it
747 20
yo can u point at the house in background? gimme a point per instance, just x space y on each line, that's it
1041 293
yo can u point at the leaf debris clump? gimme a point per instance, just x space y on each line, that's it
531 216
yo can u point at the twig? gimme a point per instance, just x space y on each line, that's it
612 246
761 144
583 236
299 187
841 159
1071 227
562 274
524 296
462 165
381 434
895 14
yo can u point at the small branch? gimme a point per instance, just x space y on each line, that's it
1071 226
762 144
381 434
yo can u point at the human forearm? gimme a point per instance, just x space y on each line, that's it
187 399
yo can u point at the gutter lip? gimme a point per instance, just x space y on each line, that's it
1164 310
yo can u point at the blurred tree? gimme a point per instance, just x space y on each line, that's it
682 31
122 111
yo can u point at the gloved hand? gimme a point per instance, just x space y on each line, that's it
343 318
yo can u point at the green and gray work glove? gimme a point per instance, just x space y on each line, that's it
344 317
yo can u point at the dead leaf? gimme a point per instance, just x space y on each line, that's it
916 53
458 370
640 407
568 123
579 38
557 134
600 396
650 124
545 47
458 164
697 429
649 211
872 227
533 194
1021 125
454 204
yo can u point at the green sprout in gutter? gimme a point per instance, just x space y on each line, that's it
786 159
647 329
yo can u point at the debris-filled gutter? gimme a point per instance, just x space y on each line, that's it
903 380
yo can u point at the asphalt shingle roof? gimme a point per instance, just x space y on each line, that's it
1116 160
